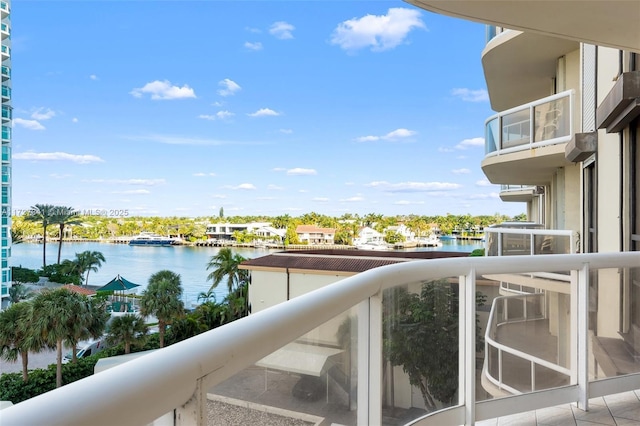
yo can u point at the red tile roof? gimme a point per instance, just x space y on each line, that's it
79 289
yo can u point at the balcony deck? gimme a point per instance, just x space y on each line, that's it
618 409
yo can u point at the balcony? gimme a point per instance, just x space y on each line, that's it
6 134
519 193
617 20
5 10
5 72
6 93
5 31
5 51
6 154
513 53
6 113
249 355
525 145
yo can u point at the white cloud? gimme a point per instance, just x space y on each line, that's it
243 186
469 95
286 131
357 198
281 30
201 174
391 136
220 115
413 186
43 114
183 140
93 77
367 138
74 120
300 171
253 46
278 169
407 203
320 199
163 90
460 171
483 182
399 133
229 87
57 156
219 196
378 32
492 195
471 143
133 191
264 112
273 187
445 149
144 182
28 124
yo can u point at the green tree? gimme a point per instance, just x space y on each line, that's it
127 329
91 319
225 264
19 292
14 336
62 217
61 316
162 299
427 323
221 213
89 261
42 213
24 275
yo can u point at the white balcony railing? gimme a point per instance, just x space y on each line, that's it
540 123
177 378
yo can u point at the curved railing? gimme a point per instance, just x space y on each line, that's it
176 379
500 309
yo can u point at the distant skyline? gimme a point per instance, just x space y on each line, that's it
165 108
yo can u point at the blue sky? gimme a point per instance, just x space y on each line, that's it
261 108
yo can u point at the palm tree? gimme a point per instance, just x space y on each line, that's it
162 299
225 264
64 216
14 335
89 261
63 316
127 329
42 213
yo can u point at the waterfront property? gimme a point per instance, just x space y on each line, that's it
5 185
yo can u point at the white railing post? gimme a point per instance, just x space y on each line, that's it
193 412
582 338
375 360
363 363
467 345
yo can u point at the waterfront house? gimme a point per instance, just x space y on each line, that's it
367 235
225 231
270 233
313 235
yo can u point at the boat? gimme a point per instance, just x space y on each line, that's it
430 241
448 237
151 239
373 245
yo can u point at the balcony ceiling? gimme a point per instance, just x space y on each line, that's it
519 67
530 167
613 23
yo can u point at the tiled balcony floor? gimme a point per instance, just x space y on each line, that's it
621 409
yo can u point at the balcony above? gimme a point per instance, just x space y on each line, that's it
5 9
5 31
612 23
519 67
519 193
525 145
621 105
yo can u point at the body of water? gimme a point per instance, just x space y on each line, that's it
137 264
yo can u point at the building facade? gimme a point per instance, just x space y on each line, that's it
5 225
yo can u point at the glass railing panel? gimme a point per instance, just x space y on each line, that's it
515 244
614 329
6 91
6 132
421 344
6 71
492 136
312 378
552 244
516 129
552 119
490 33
